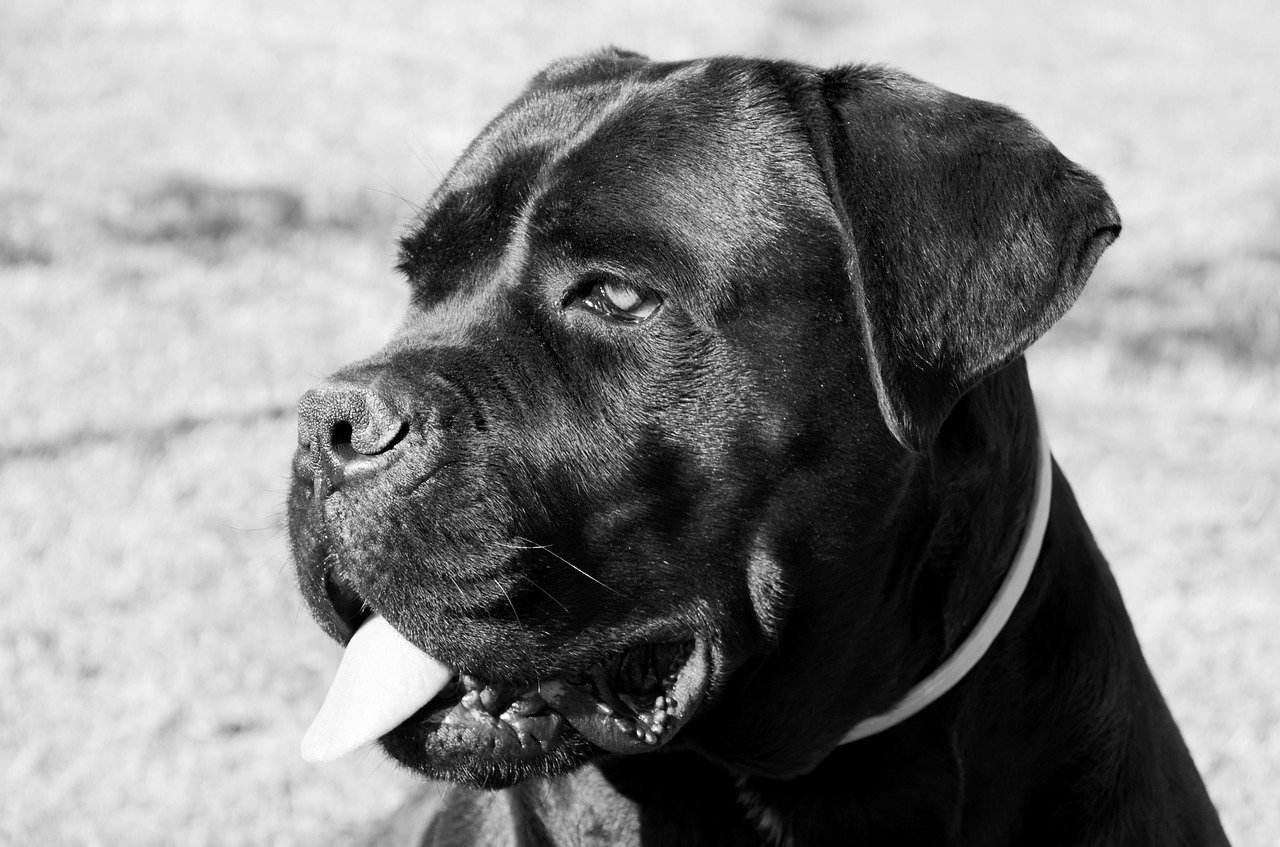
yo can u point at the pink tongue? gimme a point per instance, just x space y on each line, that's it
381 681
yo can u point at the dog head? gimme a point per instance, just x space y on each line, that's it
633 462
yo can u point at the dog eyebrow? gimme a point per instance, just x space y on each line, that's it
479 207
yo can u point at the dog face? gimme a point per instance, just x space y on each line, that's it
631 465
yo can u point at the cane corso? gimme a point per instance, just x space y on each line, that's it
707 437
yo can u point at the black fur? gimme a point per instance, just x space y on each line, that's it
817 455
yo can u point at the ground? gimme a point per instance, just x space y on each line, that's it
198 202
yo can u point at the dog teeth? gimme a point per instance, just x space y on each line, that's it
529 704
495 698
630 702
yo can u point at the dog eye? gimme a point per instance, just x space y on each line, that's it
618 300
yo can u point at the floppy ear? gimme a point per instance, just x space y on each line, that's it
968 234
586 68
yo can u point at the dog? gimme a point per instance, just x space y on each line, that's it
700 497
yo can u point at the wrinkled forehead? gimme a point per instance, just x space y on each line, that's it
703 157
650 126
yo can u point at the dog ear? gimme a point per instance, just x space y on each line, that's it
968 234
582 69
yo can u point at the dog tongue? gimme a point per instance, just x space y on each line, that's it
381 681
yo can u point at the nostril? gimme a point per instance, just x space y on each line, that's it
343 426
386 442
340 434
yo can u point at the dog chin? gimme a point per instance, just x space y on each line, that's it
459 756
492 735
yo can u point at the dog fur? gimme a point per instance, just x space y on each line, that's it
817 455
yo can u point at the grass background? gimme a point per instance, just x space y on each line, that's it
198 201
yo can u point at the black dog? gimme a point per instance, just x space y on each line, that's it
706 437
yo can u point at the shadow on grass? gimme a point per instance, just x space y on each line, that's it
23 225
1226 308
23 251
151 439
204 218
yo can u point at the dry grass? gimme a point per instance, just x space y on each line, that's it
196 212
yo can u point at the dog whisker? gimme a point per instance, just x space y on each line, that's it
534 546
519 622
434 167
461 593
554 599
389 191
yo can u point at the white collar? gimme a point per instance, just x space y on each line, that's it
988 627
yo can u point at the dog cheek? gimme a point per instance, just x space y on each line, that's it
767 587
309 546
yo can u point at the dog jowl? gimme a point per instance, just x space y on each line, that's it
706 435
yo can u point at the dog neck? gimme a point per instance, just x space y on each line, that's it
997 614
1037 725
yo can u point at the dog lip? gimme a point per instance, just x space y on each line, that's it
419 481
351 607
523 728
618 723
524 721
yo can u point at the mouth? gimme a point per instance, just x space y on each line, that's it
632 700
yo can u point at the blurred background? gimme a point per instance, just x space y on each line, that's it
198 206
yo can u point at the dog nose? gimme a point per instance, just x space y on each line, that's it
344 426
